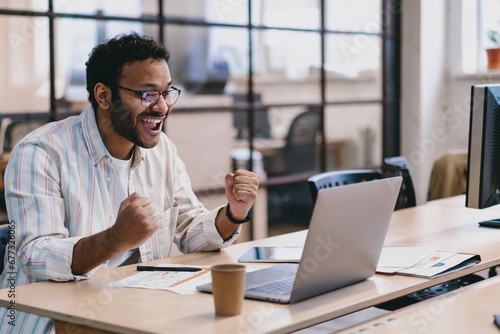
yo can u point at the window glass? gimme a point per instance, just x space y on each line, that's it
353 67
292 149
208 61
489 21
262 134
124 8
355 15
24 64
75 39
299 14
286 66
220 11
203 143
478 19
290 145
41 5
353 136
241 118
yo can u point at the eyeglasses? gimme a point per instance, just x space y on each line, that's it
151 97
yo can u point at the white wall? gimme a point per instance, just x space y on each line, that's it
424 87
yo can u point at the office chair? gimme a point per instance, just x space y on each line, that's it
394 166
4 123
398 166
340 178
299 152
261 125
286 202
17 130
4 239
11 132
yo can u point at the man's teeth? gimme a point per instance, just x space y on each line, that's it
151 120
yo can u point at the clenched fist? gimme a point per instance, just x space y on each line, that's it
241 192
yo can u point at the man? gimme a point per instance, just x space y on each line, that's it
106 188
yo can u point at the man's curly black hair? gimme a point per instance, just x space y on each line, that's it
107 59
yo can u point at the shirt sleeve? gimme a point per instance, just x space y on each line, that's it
195 229
35 204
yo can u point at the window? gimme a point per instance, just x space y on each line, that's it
298 85
477 18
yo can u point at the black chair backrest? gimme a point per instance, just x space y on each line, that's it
4 239
299 152
398 166
340 178
17 130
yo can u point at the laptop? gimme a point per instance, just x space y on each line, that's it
344 242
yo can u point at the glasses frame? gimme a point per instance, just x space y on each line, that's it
141 95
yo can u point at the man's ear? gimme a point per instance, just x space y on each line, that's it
102 95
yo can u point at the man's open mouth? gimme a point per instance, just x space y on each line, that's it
152 123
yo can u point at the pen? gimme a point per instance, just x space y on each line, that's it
151 268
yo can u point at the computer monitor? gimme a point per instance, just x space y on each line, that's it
483 179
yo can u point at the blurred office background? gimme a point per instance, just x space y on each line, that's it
286 88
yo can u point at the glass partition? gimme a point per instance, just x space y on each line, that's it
24 64
204 144
122 8
218 58
296 14
225 12
208 60
39 6
358 15
353 136
353 67
286 66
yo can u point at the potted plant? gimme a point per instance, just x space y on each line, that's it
494 53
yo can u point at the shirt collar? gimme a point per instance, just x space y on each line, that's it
138 156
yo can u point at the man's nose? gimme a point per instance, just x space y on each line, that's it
160 105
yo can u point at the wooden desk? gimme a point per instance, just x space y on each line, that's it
92 303
464 311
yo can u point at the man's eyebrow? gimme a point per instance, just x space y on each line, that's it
152 85
148 85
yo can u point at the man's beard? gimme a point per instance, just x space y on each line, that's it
123 122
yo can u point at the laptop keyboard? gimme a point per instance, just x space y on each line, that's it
282 287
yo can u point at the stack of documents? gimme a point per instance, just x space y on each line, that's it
427 262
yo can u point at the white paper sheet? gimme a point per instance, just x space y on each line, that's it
181 282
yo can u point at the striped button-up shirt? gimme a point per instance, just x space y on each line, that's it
59 188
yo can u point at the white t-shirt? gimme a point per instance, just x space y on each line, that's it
120 193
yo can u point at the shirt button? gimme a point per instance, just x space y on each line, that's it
108 179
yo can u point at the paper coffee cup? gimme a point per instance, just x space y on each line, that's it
228 281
